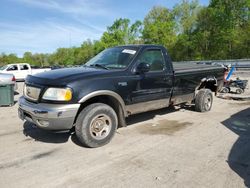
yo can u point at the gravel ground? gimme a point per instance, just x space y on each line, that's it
164 148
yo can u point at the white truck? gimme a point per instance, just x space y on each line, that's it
21 70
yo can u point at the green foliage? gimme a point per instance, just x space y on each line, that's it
186 16
190 32
222 30
159 27
7 59
121 33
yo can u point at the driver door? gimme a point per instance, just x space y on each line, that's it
152 89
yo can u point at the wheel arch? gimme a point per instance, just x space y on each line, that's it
107 97
209 82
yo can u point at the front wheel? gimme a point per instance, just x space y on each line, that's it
96 125
203 100
225 90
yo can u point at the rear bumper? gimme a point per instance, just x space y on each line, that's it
48 116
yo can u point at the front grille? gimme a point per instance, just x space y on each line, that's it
31 92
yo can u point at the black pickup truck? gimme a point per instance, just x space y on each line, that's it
96 98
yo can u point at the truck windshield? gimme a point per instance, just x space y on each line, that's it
3 67
113 58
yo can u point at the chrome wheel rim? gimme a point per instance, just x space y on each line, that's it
208 102
100 126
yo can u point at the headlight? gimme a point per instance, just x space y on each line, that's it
58 94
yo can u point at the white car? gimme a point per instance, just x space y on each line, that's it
21 70
8 79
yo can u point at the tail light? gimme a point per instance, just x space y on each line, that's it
13 78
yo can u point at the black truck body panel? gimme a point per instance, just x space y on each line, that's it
188 77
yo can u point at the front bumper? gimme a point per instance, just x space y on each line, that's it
48 116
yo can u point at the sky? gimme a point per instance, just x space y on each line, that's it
42 26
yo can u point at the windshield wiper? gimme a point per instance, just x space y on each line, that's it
99 65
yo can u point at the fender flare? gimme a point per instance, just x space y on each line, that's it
107 93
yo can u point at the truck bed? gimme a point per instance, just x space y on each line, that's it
191 67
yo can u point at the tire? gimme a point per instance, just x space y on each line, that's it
239 91
225 90
203 100
96 125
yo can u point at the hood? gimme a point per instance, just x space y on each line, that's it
67 72
65 75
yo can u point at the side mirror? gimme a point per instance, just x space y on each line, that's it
143 68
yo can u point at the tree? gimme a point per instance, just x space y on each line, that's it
63 56
10 58
159 27
186 15
121 33
135 33
85 52
227 20
28 58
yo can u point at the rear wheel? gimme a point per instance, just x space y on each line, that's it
203 100
96 125
239 91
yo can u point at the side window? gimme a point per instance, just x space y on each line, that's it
12 68
24 67
154 58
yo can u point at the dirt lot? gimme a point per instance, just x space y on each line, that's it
164 148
